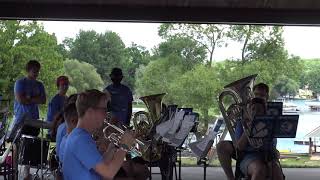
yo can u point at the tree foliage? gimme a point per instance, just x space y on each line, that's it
104 51
209 36
187 49
21 41
83 76
286 87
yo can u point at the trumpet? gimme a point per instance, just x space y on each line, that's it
139 146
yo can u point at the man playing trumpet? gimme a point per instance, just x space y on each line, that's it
82 160
252 161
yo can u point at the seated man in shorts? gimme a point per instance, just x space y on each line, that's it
251 165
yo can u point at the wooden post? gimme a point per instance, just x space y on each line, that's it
310 146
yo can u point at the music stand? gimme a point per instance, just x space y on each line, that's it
202 153
179 138
269 127
284 126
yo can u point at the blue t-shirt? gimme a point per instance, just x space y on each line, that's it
29 88
61 132
266 145
121 96
55 106
62 147
80 156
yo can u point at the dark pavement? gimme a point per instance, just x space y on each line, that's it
214 173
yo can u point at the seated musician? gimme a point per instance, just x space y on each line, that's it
81 159
29 94
252 163
55 106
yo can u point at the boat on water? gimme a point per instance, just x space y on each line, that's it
289 107
314 106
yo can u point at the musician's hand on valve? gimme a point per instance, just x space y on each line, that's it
109 152
127 138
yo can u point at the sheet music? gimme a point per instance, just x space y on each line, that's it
212 134
187 124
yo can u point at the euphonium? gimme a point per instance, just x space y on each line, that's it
241 93
143 123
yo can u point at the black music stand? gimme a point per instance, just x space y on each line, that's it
270 127
204 161
179 148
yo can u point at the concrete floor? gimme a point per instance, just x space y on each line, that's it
196 173
216 173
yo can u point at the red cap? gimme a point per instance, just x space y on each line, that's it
62 80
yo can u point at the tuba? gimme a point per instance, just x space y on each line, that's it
241 93
144 123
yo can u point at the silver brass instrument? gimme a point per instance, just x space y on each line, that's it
143 123
139 146
241 93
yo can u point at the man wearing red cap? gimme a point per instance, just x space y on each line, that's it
56 104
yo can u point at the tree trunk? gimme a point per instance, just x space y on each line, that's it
205 119
243 58
202 132
210 60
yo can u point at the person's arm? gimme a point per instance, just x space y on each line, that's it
108 169
129 112
41 98
130 98
242 142
20 94
23 99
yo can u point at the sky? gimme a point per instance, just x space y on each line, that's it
300 41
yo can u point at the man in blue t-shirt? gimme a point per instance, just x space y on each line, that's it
29 93
56 104
121 98
62 128
81 159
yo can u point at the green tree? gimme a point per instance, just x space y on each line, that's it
187 49
104 51
156 77
259 42
198 88
210 36
286 87
21 41
83 76
313 78
137 56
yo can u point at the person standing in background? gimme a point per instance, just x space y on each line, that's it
56 104
121 98
29 94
